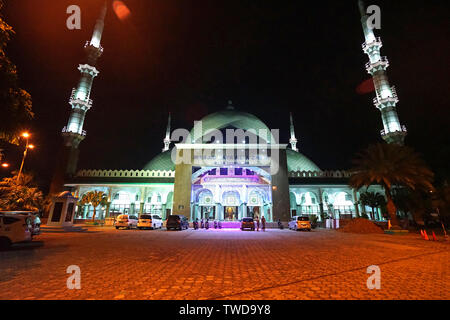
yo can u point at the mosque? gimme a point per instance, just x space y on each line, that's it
249 173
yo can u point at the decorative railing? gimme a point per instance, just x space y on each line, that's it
378 101
74 100
367 45
125 174
402 129
88 44
383 61
83 132
320 174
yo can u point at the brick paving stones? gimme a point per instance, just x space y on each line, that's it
225 264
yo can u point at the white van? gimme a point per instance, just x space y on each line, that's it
148 221
14 229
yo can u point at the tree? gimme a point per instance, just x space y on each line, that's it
416 202
441 201
391 165
95 199
373 200
15 103
22 195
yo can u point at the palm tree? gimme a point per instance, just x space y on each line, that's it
20 195
94 198
391 165
373 200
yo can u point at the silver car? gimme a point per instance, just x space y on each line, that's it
126 221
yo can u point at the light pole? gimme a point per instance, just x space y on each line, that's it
25 135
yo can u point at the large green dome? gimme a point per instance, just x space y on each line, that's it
298 162
230 118
162 162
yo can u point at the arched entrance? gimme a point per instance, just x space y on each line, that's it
205 208
255 204
231 201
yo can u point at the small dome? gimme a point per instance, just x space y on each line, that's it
231 118
298 162
66 195
162 162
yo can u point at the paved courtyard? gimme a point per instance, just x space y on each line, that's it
225 264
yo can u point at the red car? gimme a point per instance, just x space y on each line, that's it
248 223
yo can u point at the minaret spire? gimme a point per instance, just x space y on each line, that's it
386 95
167 138
362 8
99 26
80 100
293 141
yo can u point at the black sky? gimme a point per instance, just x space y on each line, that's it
270 57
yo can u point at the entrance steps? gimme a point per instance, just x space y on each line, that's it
237 225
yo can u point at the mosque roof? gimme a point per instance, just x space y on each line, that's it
162 162
298 162
230 118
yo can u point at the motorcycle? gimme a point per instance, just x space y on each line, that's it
280 225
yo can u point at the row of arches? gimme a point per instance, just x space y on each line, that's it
158 202
330 203
255 196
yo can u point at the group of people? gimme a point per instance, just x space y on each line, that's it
263 223
204 224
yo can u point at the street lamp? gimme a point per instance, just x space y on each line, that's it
25 135
3 164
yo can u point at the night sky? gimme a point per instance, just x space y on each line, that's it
190 57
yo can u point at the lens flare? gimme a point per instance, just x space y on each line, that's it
121 10
366 87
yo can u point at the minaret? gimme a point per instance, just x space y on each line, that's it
80 103
386 99
167 138
293 141
80 100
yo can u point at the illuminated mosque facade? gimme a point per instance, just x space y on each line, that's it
206 176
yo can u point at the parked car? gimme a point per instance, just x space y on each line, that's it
126 221
14 229
300 223
148 221
248 223
33 219
177 222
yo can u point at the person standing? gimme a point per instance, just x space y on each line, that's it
257 223
263 221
